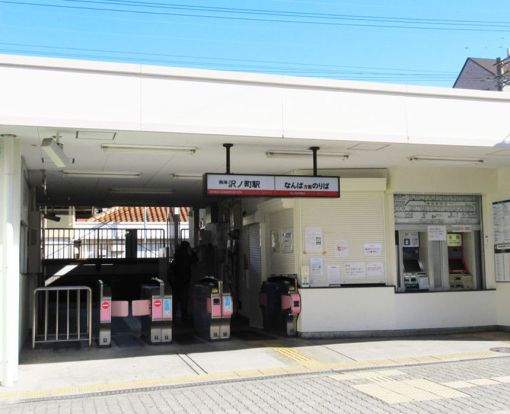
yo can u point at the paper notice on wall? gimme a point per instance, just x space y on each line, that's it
286 241
313 239
334 275
317 277
316 264
305 276
355 270
342 248
436 233
372 249
375 269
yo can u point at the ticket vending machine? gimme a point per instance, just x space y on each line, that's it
411 261
459 275
157 324
212 309
280 303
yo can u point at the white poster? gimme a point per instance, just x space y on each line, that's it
317 276
334 275
436 233
372 249
313 239
342 248
355 270
375 269
287 241
316 266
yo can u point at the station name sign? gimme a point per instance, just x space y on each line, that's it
235 185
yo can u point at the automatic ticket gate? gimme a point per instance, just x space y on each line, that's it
154 307
280 303
212 309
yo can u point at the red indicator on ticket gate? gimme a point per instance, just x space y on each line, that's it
157 303
105 305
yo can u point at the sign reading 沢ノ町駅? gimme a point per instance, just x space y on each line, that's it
235 185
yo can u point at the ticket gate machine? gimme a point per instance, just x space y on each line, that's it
212 309
280 303
105 315
157 325
154 307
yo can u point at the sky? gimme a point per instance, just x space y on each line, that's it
398 41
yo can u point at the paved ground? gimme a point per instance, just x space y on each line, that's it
475 386
254 372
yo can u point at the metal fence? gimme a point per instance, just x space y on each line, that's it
102 243
64 316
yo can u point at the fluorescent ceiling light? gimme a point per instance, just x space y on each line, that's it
154 148
458 160
54 152
141 190
308 154
184 176
101 174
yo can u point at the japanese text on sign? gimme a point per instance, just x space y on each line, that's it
271 186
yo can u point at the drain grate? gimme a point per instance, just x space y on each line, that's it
504 349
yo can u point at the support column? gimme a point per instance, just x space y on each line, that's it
10 206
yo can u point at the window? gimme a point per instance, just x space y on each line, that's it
438 239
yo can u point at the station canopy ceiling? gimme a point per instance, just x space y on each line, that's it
161 176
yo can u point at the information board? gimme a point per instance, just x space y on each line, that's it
501 219
436 209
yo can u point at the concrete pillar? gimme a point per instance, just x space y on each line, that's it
10 206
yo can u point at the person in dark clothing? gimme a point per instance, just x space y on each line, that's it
184 258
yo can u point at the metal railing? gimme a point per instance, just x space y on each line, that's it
62 321
101 243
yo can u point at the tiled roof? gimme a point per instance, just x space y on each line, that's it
137 214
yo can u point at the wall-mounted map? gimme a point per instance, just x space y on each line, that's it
436 209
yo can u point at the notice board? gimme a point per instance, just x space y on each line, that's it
501 217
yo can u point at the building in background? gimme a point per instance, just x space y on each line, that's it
483 74
107 233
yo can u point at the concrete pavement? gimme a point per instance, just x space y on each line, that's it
473 386
57 372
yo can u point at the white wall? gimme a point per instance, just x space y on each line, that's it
43 91
357 217
30 220
10 217
347 310
445 309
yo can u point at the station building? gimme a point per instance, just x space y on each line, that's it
418 240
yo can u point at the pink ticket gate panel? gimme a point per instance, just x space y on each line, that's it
280 304
154 308
157 324
104 337
212 309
